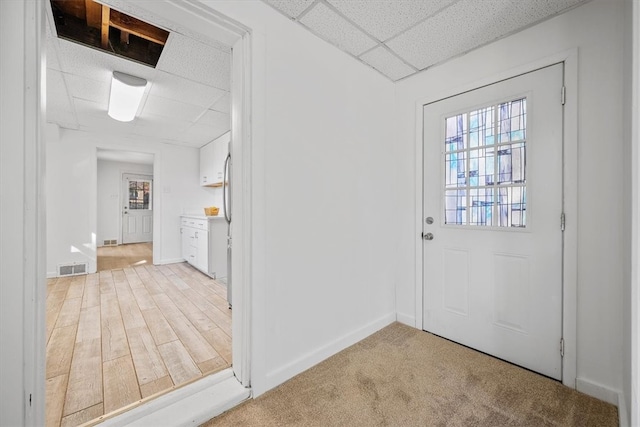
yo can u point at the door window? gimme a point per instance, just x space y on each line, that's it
140 194
485 166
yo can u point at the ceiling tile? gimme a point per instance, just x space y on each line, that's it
57 95
387 63
97 65
52 54
216 119
160 128
87 89
203 134
439 38
177 88
169 108
335 29
385 19
223 104
196 61
291 8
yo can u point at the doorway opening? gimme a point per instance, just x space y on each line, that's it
125 208
161 325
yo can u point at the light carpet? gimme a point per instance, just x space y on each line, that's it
401 376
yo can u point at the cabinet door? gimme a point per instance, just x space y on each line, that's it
207 164
220 154
188 244
202 250
218 247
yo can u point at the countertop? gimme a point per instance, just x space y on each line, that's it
197 216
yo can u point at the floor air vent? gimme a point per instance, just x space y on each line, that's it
110 243
72 269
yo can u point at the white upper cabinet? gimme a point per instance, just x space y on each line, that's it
212 158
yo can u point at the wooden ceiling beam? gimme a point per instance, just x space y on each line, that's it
104 40
138 28
94 14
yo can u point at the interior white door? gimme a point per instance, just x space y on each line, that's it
492 270
137 212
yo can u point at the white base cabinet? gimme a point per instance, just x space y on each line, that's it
202 244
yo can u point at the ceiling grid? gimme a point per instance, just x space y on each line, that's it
407 36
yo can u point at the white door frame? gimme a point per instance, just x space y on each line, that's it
570 196
203 22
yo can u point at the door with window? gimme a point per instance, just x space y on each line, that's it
492 268
137 212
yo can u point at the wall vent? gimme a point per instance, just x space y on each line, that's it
72 269
113 242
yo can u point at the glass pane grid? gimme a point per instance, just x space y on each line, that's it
485 176
139 195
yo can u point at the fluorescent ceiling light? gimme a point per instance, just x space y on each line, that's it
126 94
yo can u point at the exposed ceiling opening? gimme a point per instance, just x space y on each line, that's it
186 101
101 27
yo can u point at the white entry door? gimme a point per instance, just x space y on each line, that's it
492 269
137 212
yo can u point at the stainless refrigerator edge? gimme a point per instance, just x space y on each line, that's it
226 207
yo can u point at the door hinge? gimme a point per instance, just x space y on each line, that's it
563 95
562 221
30 396
561 347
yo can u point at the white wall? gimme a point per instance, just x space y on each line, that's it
109 194
323 272
596 29
629 186
72 199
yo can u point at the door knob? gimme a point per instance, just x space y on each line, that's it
428 236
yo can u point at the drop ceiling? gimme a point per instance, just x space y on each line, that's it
402 37
187 99
186 102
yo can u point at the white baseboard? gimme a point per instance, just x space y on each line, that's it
598 391
190 405
406 319
52 274
623 415
280 375
170 261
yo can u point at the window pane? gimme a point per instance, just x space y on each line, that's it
481 201
139 195
455 207
455 170
456 132
512 206
481 127
512 120
481 167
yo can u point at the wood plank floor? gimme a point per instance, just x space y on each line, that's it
122 256
117 337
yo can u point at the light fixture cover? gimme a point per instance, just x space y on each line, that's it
126 94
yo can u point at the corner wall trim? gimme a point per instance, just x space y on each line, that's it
282 374
598 391
407 320
623 418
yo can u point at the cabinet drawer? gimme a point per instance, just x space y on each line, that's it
200 224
